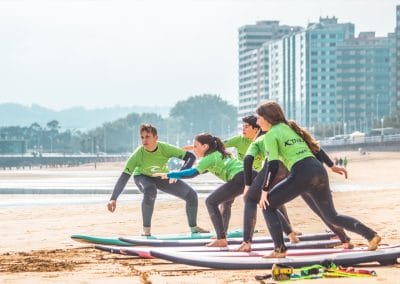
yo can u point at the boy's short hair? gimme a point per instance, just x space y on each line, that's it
148 128
251 120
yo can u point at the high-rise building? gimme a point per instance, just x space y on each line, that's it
288 69
302 71
397 36
322 40
254 62
321 75
365 81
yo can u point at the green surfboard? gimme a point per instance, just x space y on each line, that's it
183 236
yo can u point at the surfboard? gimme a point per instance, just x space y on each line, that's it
383 256
294 251
144 252
172 237
99 240
202 242
111 249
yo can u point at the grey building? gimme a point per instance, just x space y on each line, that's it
397 56
303 71
254 62
365 81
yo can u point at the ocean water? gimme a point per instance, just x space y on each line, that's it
52 188
38 200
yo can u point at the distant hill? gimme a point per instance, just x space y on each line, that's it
12 114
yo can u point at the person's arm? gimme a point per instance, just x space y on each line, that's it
273 167
323 157
188 173
118 188
189 159
248 169
188 147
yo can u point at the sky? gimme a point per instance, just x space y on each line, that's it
103 53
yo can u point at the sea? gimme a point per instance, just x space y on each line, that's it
52 187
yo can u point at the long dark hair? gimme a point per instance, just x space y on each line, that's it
273 113
214 144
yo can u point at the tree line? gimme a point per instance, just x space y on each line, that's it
201 113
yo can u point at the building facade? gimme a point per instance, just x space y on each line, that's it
397 56
365 81
254 62
323 76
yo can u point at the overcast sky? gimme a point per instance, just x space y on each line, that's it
104 53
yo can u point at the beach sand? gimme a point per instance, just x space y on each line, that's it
35 246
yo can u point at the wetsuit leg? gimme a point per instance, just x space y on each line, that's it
185 192
308 175
223 193
322 196
147 186
344 238
226 208
250 207
297 182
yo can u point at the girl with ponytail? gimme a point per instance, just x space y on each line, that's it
297 149
216 160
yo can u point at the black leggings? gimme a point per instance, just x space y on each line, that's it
253 197
226 210
149 185
226 193
344 238
308 176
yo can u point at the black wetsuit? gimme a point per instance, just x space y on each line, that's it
149 185
307 176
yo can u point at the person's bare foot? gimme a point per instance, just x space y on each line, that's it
293 238
374 242
197 229
218 243
244 247
275 254
347 245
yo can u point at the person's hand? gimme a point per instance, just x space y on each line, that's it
245 190
263 203
172 180
339 170
188 147
112 205
160 175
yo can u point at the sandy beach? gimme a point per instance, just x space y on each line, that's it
35 245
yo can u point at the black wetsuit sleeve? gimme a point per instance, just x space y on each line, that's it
189 159
120 185
273 167
323 157
248 169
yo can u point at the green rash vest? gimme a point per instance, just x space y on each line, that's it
143 162
224 168
257 150
283 142
240 143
